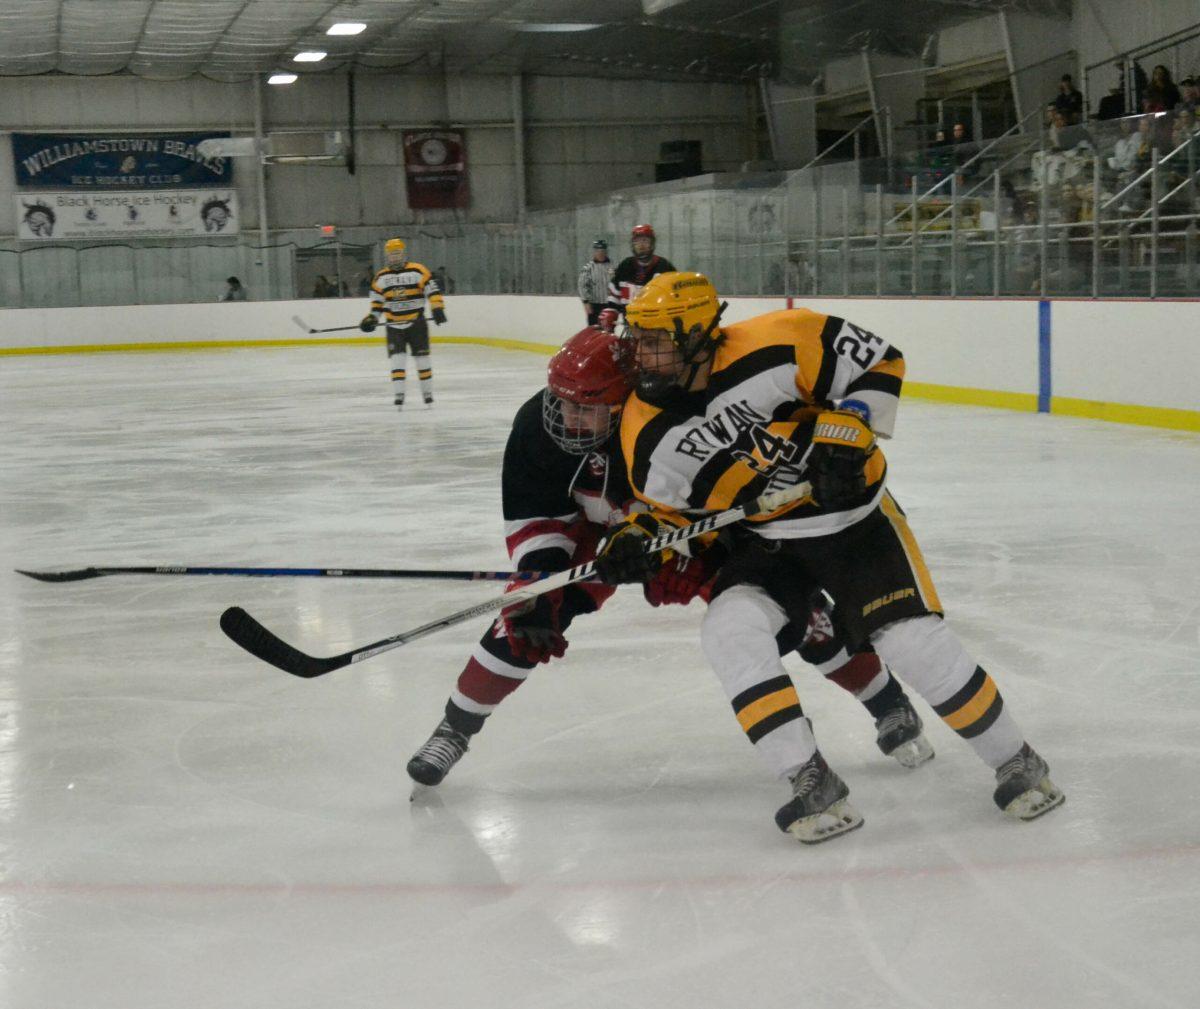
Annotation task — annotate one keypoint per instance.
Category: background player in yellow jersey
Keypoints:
(398, 295)
(722, 414)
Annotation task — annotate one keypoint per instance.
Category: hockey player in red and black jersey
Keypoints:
(633, 273)
(725, 413)
(560, 491)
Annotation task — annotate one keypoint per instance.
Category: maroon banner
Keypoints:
(435, 169)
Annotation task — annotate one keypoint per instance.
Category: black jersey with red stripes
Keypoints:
(631, 275)
(554, 501)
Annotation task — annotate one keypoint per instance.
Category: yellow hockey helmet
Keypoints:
(394, 252)
(686, 307)
(676, 302)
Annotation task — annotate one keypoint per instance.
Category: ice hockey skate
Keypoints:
(899, 736)
(819, 810)
(398, 403)
(441, 751)
(1023, 786)
(429, 399)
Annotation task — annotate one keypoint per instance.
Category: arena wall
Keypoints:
(1133, 362)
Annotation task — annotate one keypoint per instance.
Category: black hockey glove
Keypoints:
(621, 556)
(439, 316)
(842, 444)
(534, 629)
(368, 324)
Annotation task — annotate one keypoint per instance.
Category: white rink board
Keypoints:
(1140, 353)
(1127, 352)
(970, 344)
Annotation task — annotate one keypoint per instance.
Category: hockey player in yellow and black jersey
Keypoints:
(724, 413)
(560, 488)
(399, 293)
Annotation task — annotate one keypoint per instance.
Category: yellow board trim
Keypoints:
(765, 707)
(189, 345)
(1026, 401)
(1127, 413)
(1120, 413)
(975, 708)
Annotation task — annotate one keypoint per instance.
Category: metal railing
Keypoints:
(1067, 218)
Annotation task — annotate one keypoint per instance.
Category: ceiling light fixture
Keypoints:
(311, 56)
(346, 28)
(540, 26)
(281, 79)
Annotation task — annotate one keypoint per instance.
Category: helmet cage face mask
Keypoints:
(395, 252)
(577, 428)
(642, 233)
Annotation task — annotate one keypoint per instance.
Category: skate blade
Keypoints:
(424, 795)
(914, 753)
(840, 818)
(1036, 802)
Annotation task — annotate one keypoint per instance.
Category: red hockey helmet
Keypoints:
(646, 232)
(588, 380)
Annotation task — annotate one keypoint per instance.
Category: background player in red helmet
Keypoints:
(562, 485)
(633, 273)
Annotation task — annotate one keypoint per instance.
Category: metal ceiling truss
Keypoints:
(233, 40)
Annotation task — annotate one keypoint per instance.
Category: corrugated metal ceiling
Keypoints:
(235, 39)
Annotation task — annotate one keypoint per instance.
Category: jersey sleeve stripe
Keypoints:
(878, 381)
(549, 541)
(749, 366)
(646, 442)
(829, 359)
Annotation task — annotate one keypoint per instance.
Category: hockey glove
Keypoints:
(608, 319)
(368, 324)
(439, 316)
(533, 628)
(621, 556)
(841, 445)
(679, 581)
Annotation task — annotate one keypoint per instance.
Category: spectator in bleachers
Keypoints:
(1068, 101)
(233, 290)
(1161, 95)
(1124, 154)
(1189, 95)
(1112, 105)
(1183, 127)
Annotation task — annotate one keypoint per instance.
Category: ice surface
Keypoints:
(184, 826)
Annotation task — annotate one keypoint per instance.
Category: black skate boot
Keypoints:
(818, 810)
(432, 762)
(899, 735)
(398, 402)
(1023, 786)
(429, 399)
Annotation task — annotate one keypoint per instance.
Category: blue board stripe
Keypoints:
(1043, 357)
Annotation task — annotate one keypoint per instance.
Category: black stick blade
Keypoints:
(62, 576)
(243, 630)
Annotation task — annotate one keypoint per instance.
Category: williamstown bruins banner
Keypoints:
(54, 216)
(117, 161)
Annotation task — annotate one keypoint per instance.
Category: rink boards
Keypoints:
(1127, 361)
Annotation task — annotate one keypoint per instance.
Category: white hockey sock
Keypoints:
(738, 637)
(425, 374)
(926, 654)
(398, 373)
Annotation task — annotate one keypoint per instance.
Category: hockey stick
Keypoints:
(332, 329)
(247, 632)
(82, 574)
